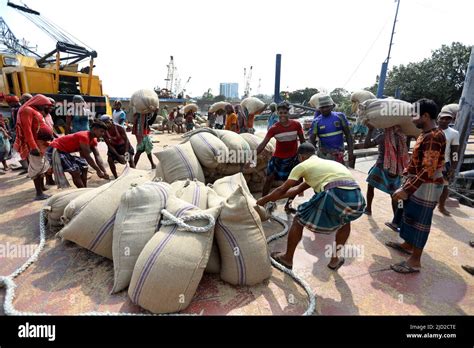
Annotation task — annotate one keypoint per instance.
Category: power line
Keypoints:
(367, 53)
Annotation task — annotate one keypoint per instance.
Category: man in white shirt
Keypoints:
(219, 123)
(119, 115)
(451, 156)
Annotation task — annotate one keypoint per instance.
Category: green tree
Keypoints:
(439, 77)
(301, 96)
(218, 98)
(342, 99)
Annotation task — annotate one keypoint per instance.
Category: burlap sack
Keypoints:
(214, 263)
(253, 105)
(360, 97)
(271, 145)
(144, 101)
(90, 217)
(385, 113)
(191, 191)
(253, 141)
(159, 174)
(242, 243)
(180, 163)
(138, 218)
(56, 204)
(190, 107)
(170, 267)
(209, 149)
(225, 169)
(239, 149)
(226, 186)
(218, 106)
(314, 100)
(453, 109)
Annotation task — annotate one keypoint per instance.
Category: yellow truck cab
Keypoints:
(21, 74)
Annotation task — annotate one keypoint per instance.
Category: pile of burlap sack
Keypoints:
(210, 154)
(162, 237)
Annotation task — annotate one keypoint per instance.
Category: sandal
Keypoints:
(276, 255)
(403, 268)
(468, 269)
(339, 264)
(397, 247)
(392, 227)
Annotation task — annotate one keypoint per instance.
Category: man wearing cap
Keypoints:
(78, 119)
(286, 133)
(337, 201)
(450, 157)
(119, 148)
(330, 128)
(33, 136)
(119, 115)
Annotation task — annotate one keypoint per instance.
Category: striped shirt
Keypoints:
(427, 162)
(286, 138)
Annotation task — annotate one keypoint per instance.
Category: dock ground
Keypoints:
(68, 279)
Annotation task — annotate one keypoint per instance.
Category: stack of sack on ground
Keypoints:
(386, 113)
(162, 258)
(210, 154)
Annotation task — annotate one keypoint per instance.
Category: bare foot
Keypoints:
(153, 166)
(41, 197)
(443, 211)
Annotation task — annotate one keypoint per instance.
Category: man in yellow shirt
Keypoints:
(337, 201)
(231, 121)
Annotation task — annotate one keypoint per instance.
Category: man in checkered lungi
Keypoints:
(422, 187)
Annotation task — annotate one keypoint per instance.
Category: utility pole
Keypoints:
(383, 71)
(465, 115)
(276, 94)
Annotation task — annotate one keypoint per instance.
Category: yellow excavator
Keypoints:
(55, 74)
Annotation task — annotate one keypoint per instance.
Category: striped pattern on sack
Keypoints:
(154, 255)
(185, 160)
(106, 228)
(212, 148)
(239, 259)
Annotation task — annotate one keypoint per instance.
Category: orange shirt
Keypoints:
(231, 120)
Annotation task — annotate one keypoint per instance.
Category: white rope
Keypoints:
(311, 298)
(9, 284)
(170, 219)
